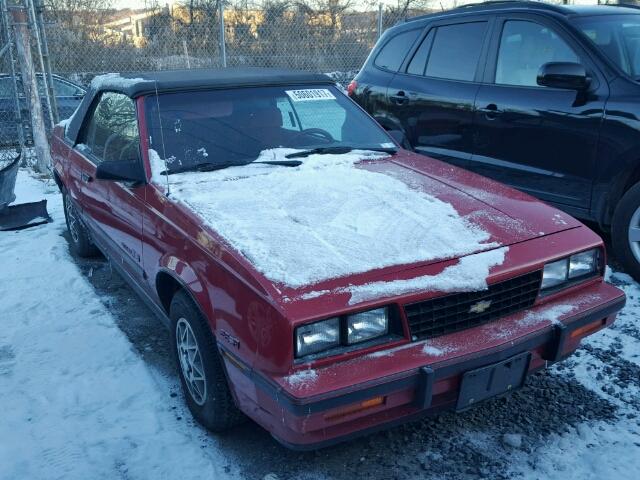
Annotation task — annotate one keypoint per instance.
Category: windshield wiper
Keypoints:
(210, 166)
(338, 149)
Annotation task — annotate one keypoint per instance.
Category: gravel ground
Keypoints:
(529, 434)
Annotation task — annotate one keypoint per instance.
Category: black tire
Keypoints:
(212, 405)
(78, 234)
(620, 226)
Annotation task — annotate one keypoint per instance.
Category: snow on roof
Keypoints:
(113, 80)
(329, 218)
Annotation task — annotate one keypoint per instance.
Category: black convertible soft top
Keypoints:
(145, 83)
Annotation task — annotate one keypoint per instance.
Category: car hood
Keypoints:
(344, 221)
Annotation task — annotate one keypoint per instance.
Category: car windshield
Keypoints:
(617, 36)
(221, 128)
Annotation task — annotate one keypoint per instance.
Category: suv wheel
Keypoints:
(78, 234)
(204, 381)
(625, 231)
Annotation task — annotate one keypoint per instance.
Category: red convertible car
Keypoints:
(316, 277)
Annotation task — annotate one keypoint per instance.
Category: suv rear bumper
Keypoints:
(320, 420)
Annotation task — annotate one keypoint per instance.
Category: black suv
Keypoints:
(542, 97)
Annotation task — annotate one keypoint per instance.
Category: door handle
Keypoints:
(491, 111)
(85, 177)
(400, 98)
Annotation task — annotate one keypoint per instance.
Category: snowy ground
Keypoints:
(87, 391)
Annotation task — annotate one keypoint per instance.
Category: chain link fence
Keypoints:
(83, 38)
(326, 36)
(9, 103)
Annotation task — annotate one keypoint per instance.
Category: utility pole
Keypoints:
(37, 24)
(30, 84)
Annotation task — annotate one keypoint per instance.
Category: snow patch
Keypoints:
(329, 218)
(302, 378)
(114, 80)
(549, 314)
(469, 274)
(77, 401)
(558, 220)
(158, 165)
(314, 294)
(436, 351)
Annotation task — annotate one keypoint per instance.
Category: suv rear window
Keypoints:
(456, 51)
(392, 54)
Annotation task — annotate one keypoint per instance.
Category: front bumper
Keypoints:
(411, 382)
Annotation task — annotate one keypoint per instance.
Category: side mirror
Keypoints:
(122, 171)
(566, 75)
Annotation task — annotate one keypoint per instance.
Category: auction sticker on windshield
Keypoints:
(310, 95)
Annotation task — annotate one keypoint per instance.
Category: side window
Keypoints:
(393, 52)
(419, 60)
(112, 131)
(524, 48)
(456, 51)
(64, 89)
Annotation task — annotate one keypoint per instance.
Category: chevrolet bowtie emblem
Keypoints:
(480, 306)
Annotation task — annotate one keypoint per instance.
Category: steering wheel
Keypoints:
(316, 133)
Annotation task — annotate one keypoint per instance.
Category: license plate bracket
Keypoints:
(495, 379)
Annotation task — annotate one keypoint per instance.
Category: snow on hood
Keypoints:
(469, 274)
(326, 218)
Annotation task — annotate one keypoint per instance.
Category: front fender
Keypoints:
(184, 275)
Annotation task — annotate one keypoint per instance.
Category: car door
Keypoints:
(372, 82)
(434, 92)
(113, 209)
(538, 139)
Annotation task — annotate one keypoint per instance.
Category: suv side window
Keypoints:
(112, 131)
(456, 51)
(419, 60)
(393, 52)
(525, 47)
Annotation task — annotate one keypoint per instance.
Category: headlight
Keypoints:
(318, 336)
(554, 273)
(583, 263)
(367, 325)
(346, 332)
(566, 270)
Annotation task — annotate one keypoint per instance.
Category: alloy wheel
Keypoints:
(191, 362)
(634, 234)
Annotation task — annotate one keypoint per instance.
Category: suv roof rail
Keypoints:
(624, 5)
(505, 3)
(537, 4)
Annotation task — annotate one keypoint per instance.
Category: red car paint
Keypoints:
(253, 320)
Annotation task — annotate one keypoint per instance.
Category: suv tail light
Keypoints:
(351, 88)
